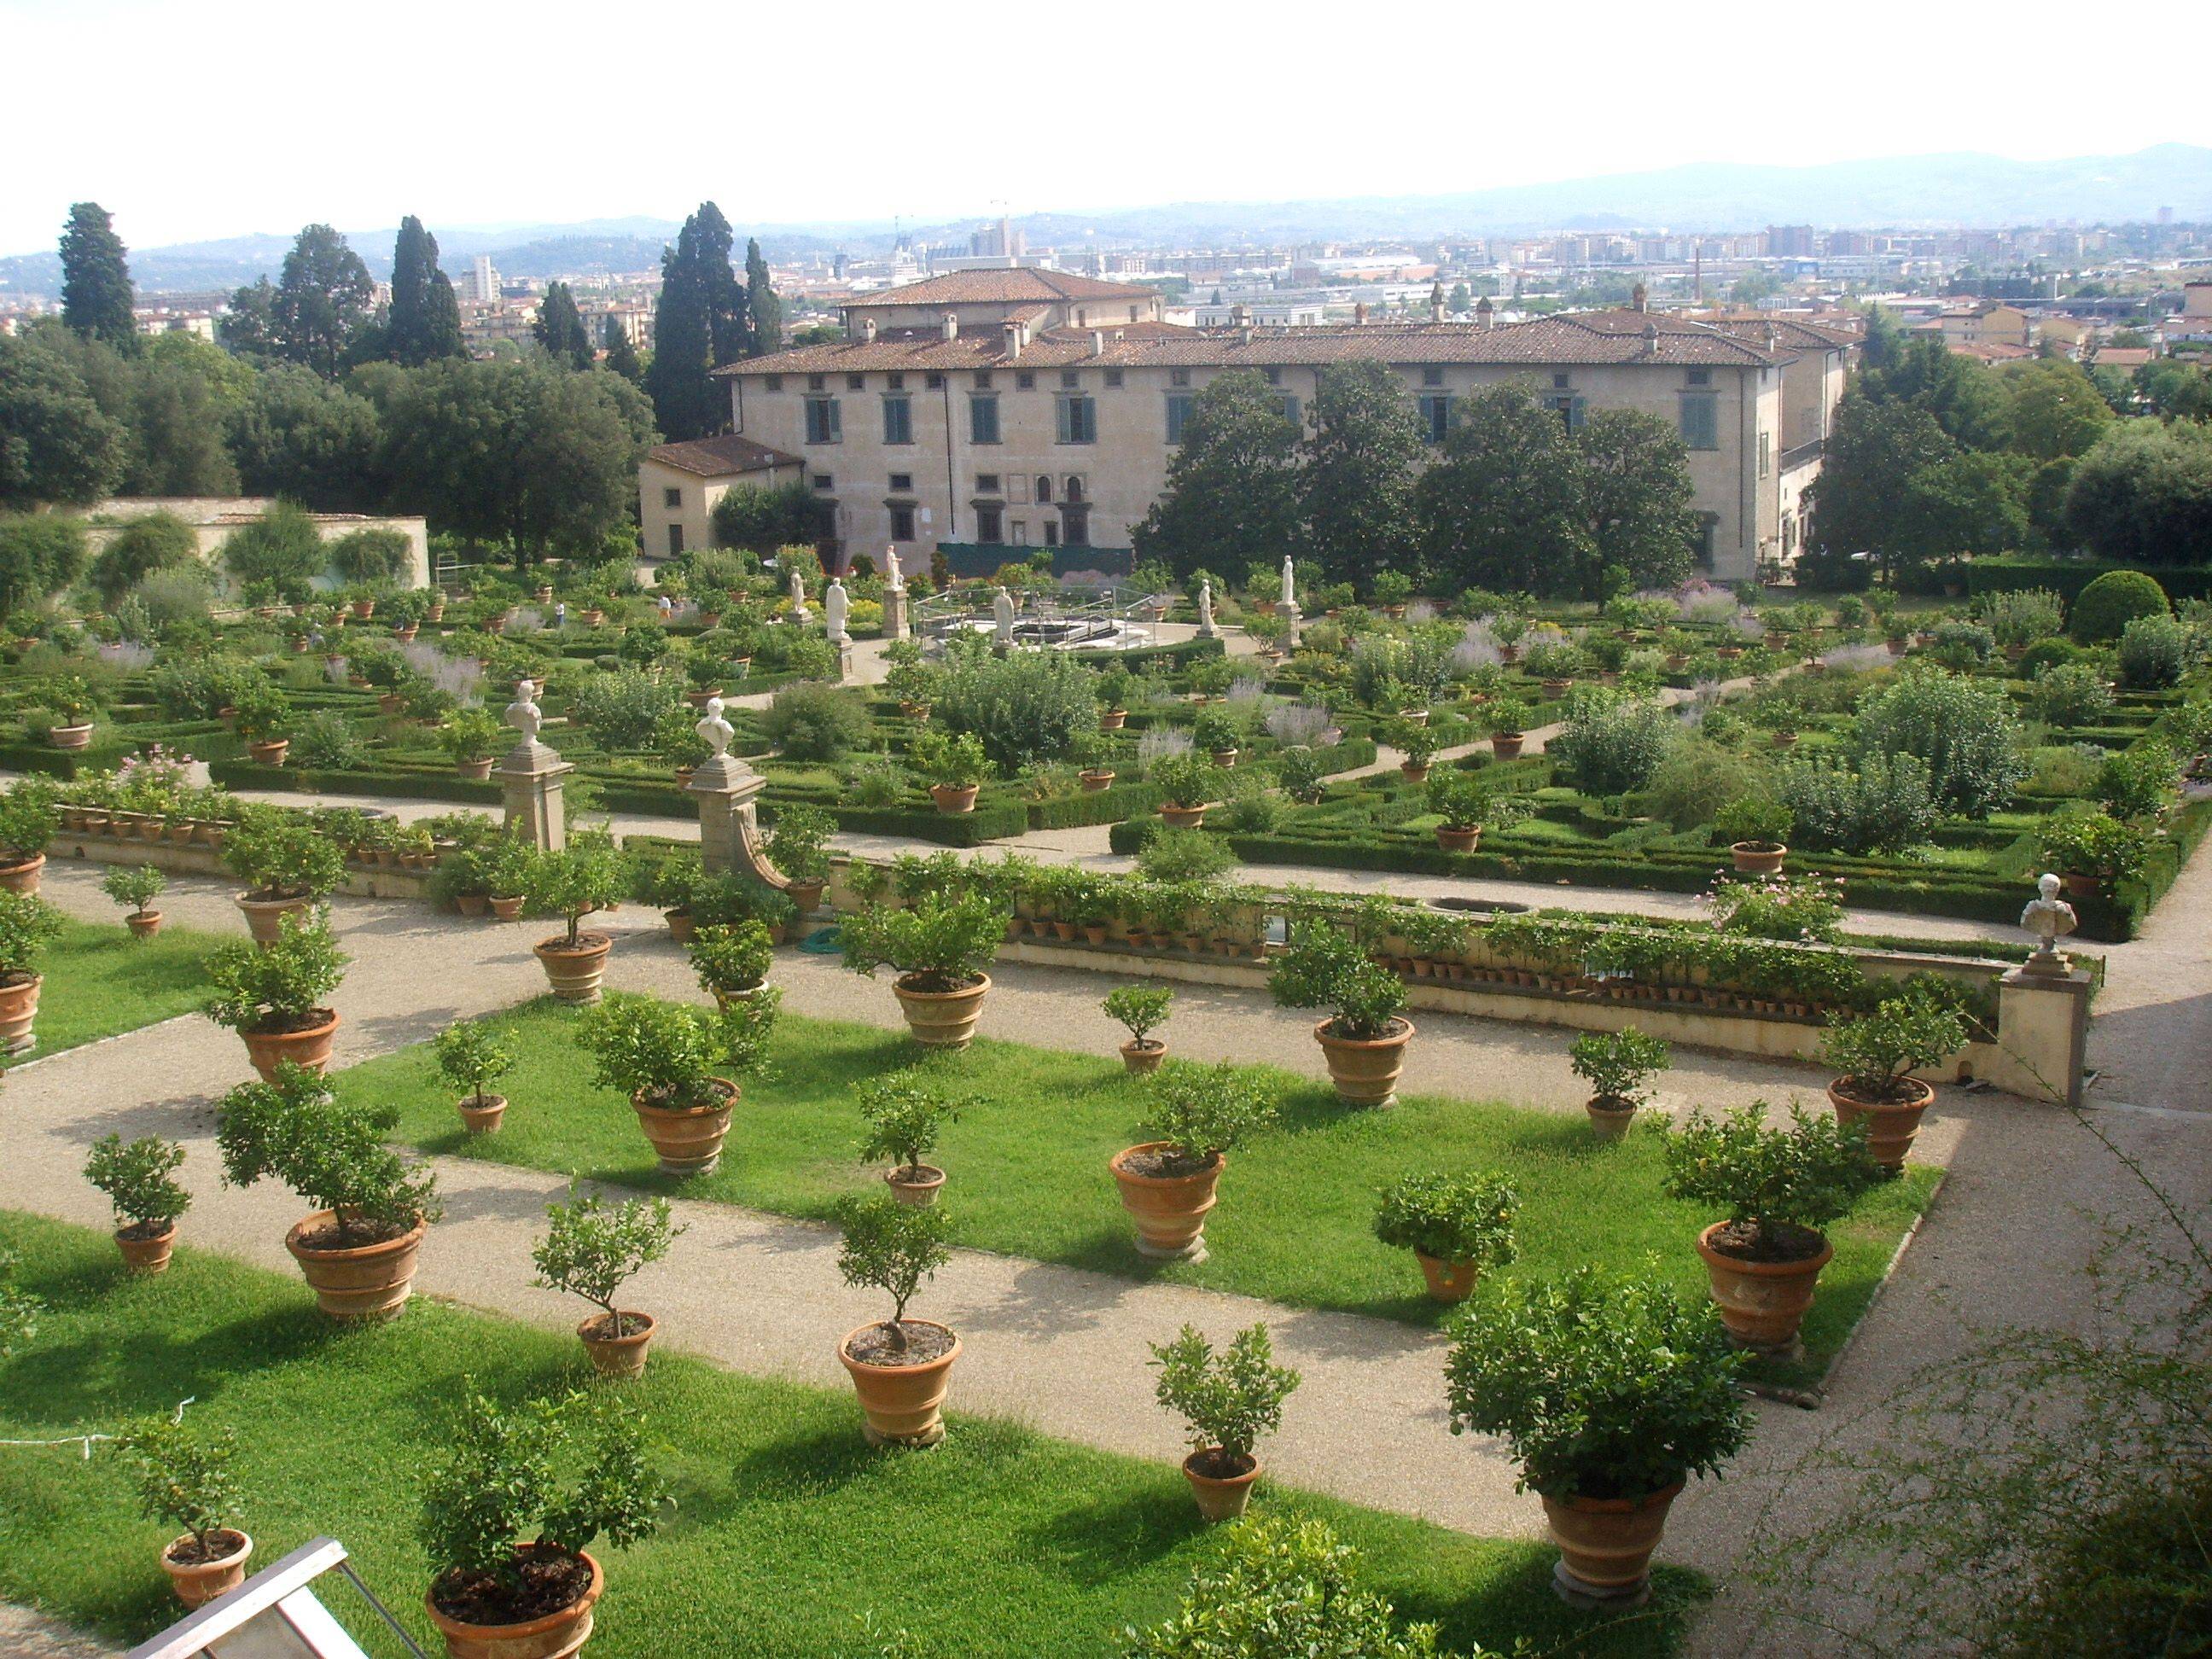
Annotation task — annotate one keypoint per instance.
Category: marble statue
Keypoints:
(798, 610)
(1206, 627)
(1002, 614)
(894, 578)
(1290, 582)
(835, 608)
(523, 714)
(713, 731)
(2050, 918)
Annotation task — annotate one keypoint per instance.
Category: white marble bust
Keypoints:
(713, 731)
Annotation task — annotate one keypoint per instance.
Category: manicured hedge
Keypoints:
(2065, 577)
(1108, 805)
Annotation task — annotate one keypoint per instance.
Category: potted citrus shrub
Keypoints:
(184, 1478)
(27, 822)
(1506, 719)
(471, 1054)
(956, 765)
(899, 1365)
(938, 949)
(77, 706)
(27, 925)
(1776, 1187)
(1874, 1055)
(136, 1177)
(591, 1249)
(1365, 1040)
(1187, 785)
(1756, 828)
(357, 1249)
(1196, 1116)
(1618, 1067)
(1459, 798)
(1142, 1010)
(286, 867)
(471, 738)
(1458, 1227)
(906, 1116)
(1216, 732)
(136, 885)
(505, 872)
(1609, 1394)
(1228, 1399)
(505, 1522)
(581, 878)
(799, 845)
(263, 714)
(663, 1056)
(1418, 742)
(731, 960)
(272, 995)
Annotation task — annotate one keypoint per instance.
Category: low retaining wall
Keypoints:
(197, 861)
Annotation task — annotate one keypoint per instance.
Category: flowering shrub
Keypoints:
(1809, 907)
(1966, 732)
(1883, 807)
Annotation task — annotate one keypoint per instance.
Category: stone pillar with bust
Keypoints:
(1287, 607)
(896, 626)
(530, 777)
(2043, 1010)
(727, 790)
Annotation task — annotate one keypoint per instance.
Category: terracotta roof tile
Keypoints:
(999, 287)
(717, 456)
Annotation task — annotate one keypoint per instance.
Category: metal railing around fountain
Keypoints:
(1104, 619)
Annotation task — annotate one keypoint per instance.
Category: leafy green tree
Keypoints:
(1855, 503)
(1355, 487)
(729, 314)
(96, 294)
(1461, 300)
(621, 355)
(323, 302)
(2175, 391)
(177, 417)
(41, 553)
(154, 541)
(2055, 409)
(55, 444)
(2142, 495)
(1965, 503)
(560, 327)
(282, 546)
(300, 436)
(1507, 507)
(1232, 488)
(1637, 493)
(760, 298)
(1967, 400)
(424, 323)
(248, 326)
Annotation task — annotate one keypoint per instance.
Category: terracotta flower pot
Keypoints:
(23, 878)
(1112, 719)
(264, 918)
(680, 927)
(199, 1582)
(1609, 1119)
(1220, 1497)
(1458, 841)
(1606, 1544)
(268, 751)
(620, 1355)
(1761, 1303)
(1183, 817)
(482, 1112)
(575, 973)
(1758, 858)
(1506, 745)
(143, 924)
(943, 1020)
(1225, 759)
(902, 1404)
(1143, 1057)
(2081, 885)
(472, 904)
(1448, 1281)
(806, 895)
(1096, 782)
(1415, 771)
(918, 1186)
(1365, 1070)
(954, 798)
(19, 1010)
(146, 1253)
(390, 702)
(363, 1281)
(1170, 1210)
(309, 1048)
(1890, 1128)
(70, 737)
(475, 771)
(505, 909)
(688, 1143)
(552, 1636)
(406, 635)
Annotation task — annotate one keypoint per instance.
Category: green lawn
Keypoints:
(1028, 1176)
(101, 980)
(786, 1530)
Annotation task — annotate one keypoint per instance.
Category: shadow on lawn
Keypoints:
(1101, 1542)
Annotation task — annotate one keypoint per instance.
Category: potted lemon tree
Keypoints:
(139, 1178)
(1141, 1009)
(1458, 1227)
(1228, 1400)
(1364, 1039)
(591, 1249)
(664, 1056)
(471, 1055)
(907, 1113)
(288, 867)
(938, 948)
(272, 995)
(1876, 1054)
(27, 925)
(1618, 1066)
(184, 1476)
(586, 875)
(1196, 1117)
(27, 822)
(899, 1366)
(136, 886)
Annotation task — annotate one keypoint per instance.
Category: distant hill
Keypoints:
(1903, 192)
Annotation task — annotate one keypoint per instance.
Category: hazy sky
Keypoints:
(195, 123)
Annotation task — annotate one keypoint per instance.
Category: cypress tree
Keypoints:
(760, 299)
(560, 327)
(683, 396)
(729, 317)
(425, 321)
(96, 278)
(621, 355)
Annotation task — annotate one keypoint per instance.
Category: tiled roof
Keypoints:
(715, 458)
(1789, 333)
(1592, 337)
(999, 287)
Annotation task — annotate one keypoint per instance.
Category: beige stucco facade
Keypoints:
(679, 484)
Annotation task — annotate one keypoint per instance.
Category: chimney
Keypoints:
(1437, 302)
(1018, 335)
(1486, 315)
(1240, 316)
(1098, 343)
(1359, 314)
(868, 330)
(1773, 337)
(1639, 298)
(951, 326)
(1652, 339)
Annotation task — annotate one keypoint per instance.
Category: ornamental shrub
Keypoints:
(893, 1248)
(799, 842)
(154, 542)
(956, 759)
(1873, 1052)
(1184, 855)
(183, 1474)
(1228, 1400)
(2079, 841)
(1611, 742)
(732, 957)
(1187, 779)
(2104, 608)
(2045, 654)
(1143, 1009)
(1965, 731)
(906, 1114)
(1325, 966)
(1618, 1066)
(1456, 1218)
(136, 1179)
(1775, 1187)
(329, 1151)
(2070, 694)
(2022, 615)
(2138, 783)
(2154, 653)
(585, 875)
(1696, 778)
(471, 1054)
(280, 856)
(1884, 807)
(370, 558)
(620, 708)
(282, 986)
(941, 944)
(814, 721)
(591, 1249)
(1025, 706)
(28, 821)
(666, 1054)
(327, 741)
(134, 886)
(1202, 1111)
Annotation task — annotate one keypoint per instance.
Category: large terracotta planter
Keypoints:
(505, 909)
(1365, 1070)
(143, 924)
(575, 974)
(1458, 841)
(917, 1186)
(23, 878)
(475, 771)
(1143, 1057)
(1758, 858)
(623, 1355)
(366, 1281)
(805, 896)
(482, 1112)
(1112, 719)
(264, 918)
(1170, 1210)
(943, 1020)
(1448, 1281)
(1761, 1303)
(1606, 1544)
(688, 1143)
(270, 751)
(1220, 1497)
(1609, 1118)
(1890, 1128)
(19, 1010)
(70, 737)
(1183, 817)
(146, 1253)
(1506, 745)
(680, 927)
(954, 798)
(310, 1049)
(1415, 771)
(198, 1584)
(554, 1636)
(902, 1404)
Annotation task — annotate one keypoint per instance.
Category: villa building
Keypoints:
(1032, 408)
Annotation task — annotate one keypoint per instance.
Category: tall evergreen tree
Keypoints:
(683, 396)
(96, 278)
(425, 321)
(1231, 499)
(560, 327)
(248, 326)
(1506, 507)
(322, 302)
(729, 317)
(621, 355)
(767, 309)
(1356, 491)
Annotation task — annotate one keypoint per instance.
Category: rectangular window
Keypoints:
(933, 381)
(1075, 526)
(1052, 532)
(1432, 377)
(1559, 383)
(1436, 415)
(1274, 376)
(1568, 407)
(855, 382)
(1289, 409)
(982, 379)
(821, 481)
(1765, 452)
(773, 383)
(902, 523)
(1078, 419)
(672, 497)
(1025, 381)
(903, 482)
(1178, 377)
(816, 382)
(824, 425)
(1699, 377)
(895, 382)
(1113, 377)
(1701, 420)
(987, 484)
(1180, 403)
(1070, 379)
(990, 522)
(898, 420)
(982, 417)
(675, 539)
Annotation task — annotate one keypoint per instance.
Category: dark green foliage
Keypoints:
(1507, 505)
(1356, 483)
(2109, 604)
(762, 521)
(323, 302)
(621, 355)
(1966, 730)
(1885, 805)
(40, 554)
(2143, 494)
(1611, 742)
(300, 437)
(816, 722)
(1775, 1184)
(282, 546)
(424, 322)
(97, 292)
(57, 444)
(1027, 707)
(154, 541)
(1232, 485)
(560, 328)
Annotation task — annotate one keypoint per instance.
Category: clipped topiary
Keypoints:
(2109, 604)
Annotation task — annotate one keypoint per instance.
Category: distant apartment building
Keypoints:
(479, 283)
(1039, 409)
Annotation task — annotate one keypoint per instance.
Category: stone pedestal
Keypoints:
(896, 626)
(843, 647)
(531, 779)
(729, 822)
(1291, 618)
(2043, 1035)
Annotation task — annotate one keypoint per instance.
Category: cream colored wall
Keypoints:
(200, 513)
(697, 511)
